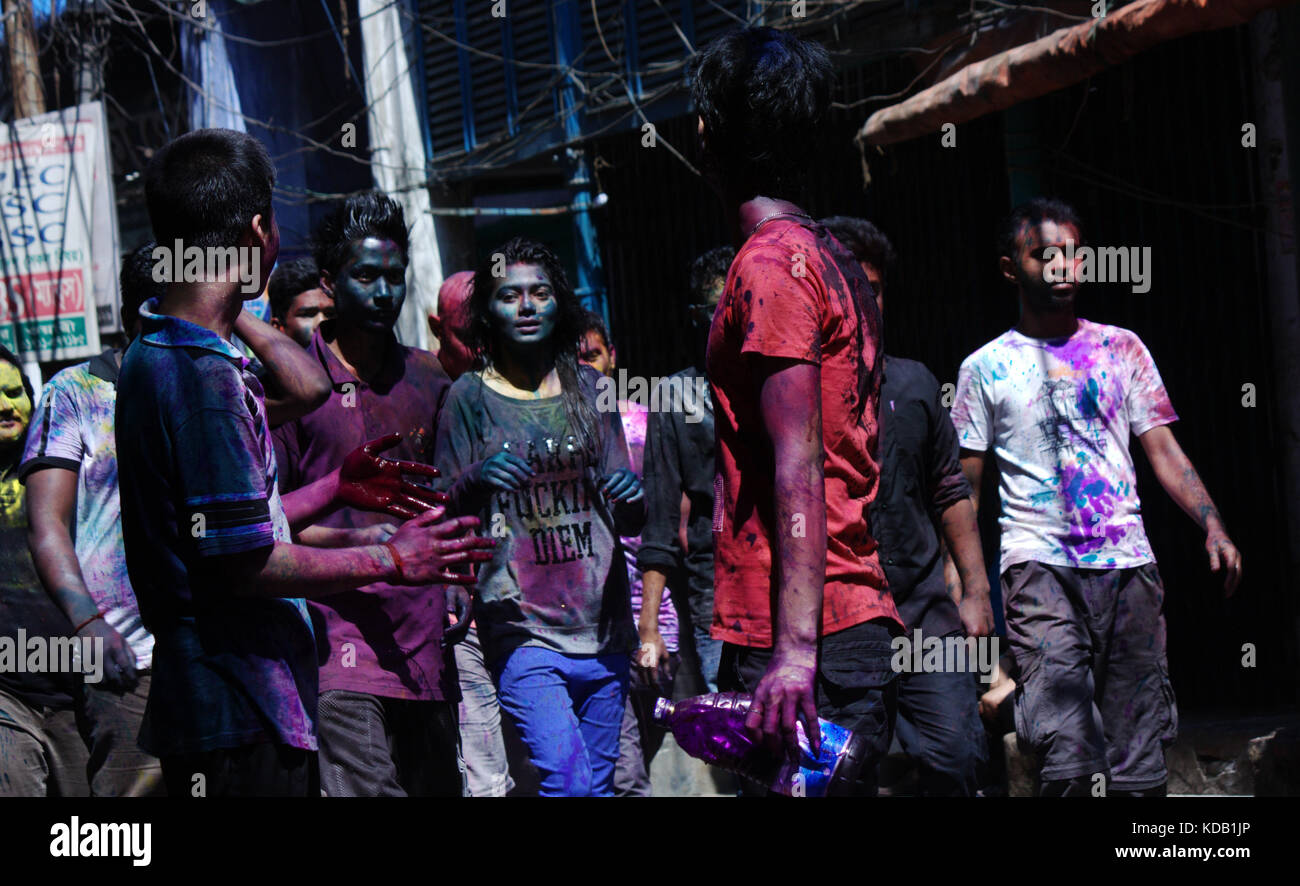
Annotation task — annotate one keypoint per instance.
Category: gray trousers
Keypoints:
(487, 769)
(372, 746)
(1093, 696)
(89, 749)
(41, 751)
(109, 721)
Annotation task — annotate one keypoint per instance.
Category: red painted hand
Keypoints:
(370, 482)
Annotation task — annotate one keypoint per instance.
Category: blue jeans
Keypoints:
(569, 710)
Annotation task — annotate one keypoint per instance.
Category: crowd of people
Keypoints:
(350, 567)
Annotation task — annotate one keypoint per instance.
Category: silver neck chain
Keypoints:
(767, 218)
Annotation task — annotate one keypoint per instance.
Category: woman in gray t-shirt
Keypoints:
(529, 444)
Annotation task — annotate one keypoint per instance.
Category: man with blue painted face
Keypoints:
(387, 688)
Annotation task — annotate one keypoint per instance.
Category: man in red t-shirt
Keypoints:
(794, 360)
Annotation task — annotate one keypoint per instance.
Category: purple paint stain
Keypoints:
(1089, 503)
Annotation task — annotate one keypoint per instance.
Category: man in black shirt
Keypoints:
(921, 485)
(678, 470)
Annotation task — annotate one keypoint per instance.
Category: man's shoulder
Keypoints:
(910, 372)
(1110, 336)
(682, 378)
(424, 362)
(76, 382)
(423, 370)
(989, 352)
(180, 379)
(772, 249)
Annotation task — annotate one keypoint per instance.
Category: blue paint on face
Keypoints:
(371, 286)
(524, 308)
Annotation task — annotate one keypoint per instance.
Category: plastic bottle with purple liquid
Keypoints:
(712, 728)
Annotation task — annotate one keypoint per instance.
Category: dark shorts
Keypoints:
(856, 685)
(1093, 692)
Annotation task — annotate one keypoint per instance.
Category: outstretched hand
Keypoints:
(370, 482)
(427, 548)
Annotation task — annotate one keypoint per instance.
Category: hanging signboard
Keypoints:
(58, 235)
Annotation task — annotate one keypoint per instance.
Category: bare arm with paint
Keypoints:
(790, 404)
(426, 547)
(963, 557)
(962, 537)
(654, 651)
(299, 383)
(51, 516)
(1176, 474)
(972, 465)
(329, 537)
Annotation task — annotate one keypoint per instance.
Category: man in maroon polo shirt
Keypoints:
(387, 699)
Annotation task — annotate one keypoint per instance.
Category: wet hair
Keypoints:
(762, 94)
(863, 240)
(708, 268)
(204, 187)
(137, 283)
(593, 322)
(1033, 214)
(9, 357)
(570, 326)
(288, 281)
(368, 214)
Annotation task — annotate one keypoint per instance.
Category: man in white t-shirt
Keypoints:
(1055, 400)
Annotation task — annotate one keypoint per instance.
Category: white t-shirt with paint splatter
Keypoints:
(1057, 414)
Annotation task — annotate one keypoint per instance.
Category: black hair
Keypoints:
(137, 283)
(368, 214)
(21, 445)
(1033, 214)
(706, 270)
(864, 241)
(593, 322)
(762, 94)
(570, 327)
(204, 187)
(288, 281)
